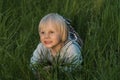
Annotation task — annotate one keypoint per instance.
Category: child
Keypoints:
(58, 39)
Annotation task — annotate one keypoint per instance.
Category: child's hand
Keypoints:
(47, 68)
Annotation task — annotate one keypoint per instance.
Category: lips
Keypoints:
(47, 42)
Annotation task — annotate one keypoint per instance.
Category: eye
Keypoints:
(51, 32)
(42, 32)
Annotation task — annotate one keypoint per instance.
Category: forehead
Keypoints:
(49, 25)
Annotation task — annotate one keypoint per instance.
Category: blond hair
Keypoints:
(59, 22)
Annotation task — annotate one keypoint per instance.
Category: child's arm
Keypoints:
(74, 54)
(36, 59)
(39, 54)
(73, 57)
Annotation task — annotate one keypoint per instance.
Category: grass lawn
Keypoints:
(96, 21)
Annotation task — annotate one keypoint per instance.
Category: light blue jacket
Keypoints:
(70, 52)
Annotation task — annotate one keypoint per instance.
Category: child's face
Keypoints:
(50, 36)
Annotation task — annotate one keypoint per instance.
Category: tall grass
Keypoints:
(96, 21)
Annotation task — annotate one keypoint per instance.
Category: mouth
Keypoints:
(47, 42)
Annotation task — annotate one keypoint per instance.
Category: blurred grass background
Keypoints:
(96, 21)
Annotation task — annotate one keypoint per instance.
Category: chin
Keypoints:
(48, 46)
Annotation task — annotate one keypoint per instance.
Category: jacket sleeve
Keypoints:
(40, 54)
(74, 54)
(36, 55)
(73, 57)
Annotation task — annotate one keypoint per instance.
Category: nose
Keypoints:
(47, 35)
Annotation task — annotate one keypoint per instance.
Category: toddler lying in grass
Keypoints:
(59, 44)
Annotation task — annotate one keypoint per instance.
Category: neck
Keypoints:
(56, 49)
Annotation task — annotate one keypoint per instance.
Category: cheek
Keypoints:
(41, 38)
(58, 37)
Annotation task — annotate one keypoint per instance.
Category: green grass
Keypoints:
(96, 21)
